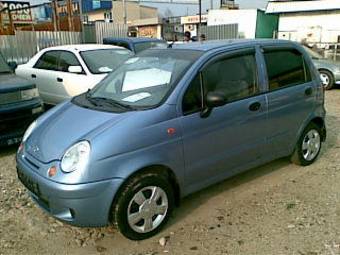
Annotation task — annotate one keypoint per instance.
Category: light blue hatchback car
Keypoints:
(169, 122)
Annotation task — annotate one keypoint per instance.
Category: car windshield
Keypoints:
(147, 45)
(4, 68)
(145, 80)
(104, 60)
(313, 54)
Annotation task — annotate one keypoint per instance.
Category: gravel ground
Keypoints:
(278, 208)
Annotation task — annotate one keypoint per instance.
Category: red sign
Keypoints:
(20, 11)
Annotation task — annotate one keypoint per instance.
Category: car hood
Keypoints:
(10, 83)
(60, 128)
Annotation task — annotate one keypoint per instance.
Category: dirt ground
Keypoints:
(276, 209)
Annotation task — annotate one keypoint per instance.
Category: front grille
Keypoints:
(10, 97)
(14, 122)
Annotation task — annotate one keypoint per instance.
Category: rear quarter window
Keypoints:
(285, 67)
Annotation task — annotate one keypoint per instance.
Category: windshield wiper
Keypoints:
(95, 100)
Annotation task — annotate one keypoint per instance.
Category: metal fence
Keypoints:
(220, 32)
(24, 44)
(110, 30)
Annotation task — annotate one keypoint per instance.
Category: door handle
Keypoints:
(33, 76)
(308, 91)
(255, 106)
(59, 79)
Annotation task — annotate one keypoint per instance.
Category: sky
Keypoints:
(180, 10)
(252, 3)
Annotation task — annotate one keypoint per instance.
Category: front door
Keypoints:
(233, 136)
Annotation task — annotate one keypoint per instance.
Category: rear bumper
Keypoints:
(337, 77)
(84, 205)
(15, 118)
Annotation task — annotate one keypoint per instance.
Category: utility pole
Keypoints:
(55, 15)
(1, 26)
(124, 12)
(200, 18)
(81, 20)
(11, 21)
(69, 15)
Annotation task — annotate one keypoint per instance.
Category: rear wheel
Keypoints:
(308, 146)
(143, 206)
(327, 79)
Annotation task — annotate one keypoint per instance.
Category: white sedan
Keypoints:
(66, 71)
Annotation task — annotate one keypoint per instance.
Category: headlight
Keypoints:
(29, 94)
(76, 157)
(29, 131)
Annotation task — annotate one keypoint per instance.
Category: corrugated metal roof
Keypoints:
(302, 6)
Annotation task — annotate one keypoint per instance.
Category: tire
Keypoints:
(327, 79)
(312, 133)
(140, 189)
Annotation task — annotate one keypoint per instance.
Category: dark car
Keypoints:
(136, 44)
(20, 104)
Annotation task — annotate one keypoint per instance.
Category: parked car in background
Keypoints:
(329, 70)
(20, 104)
(66, 71)
(136, 44)
(170, 122)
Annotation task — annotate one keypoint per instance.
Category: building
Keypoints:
(191, 23)
(252, 23)
(314, 21)
(149, 27)
(113, 11)
(134, 11)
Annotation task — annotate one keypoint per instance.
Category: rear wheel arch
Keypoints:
(321, 124)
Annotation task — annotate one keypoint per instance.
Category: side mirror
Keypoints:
(13, 65)
(75, 69)
(214, 99)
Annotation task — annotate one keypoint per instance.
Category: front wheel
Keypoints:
(308, 146)
(143, 206)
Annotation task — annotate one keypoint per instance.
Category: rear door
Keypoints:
(291, 96)
(44, 75)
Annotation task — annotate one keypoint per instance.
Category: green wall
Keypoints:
(266, 24)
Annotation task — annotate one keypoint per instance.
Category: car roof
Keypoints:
(211, 45)
(131, 39)
(83, 47)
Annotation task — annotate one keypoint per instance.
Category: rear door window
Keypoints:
(285, 67)
(48, 61)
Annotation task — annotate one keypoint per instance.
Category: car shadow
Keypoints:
(193, 201)
(8, 150)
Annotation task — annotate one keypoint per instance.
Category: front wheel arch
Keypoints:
(159, 169)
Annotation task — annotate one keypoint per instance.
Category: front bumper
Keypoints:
(15, 118)
(84, 205)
